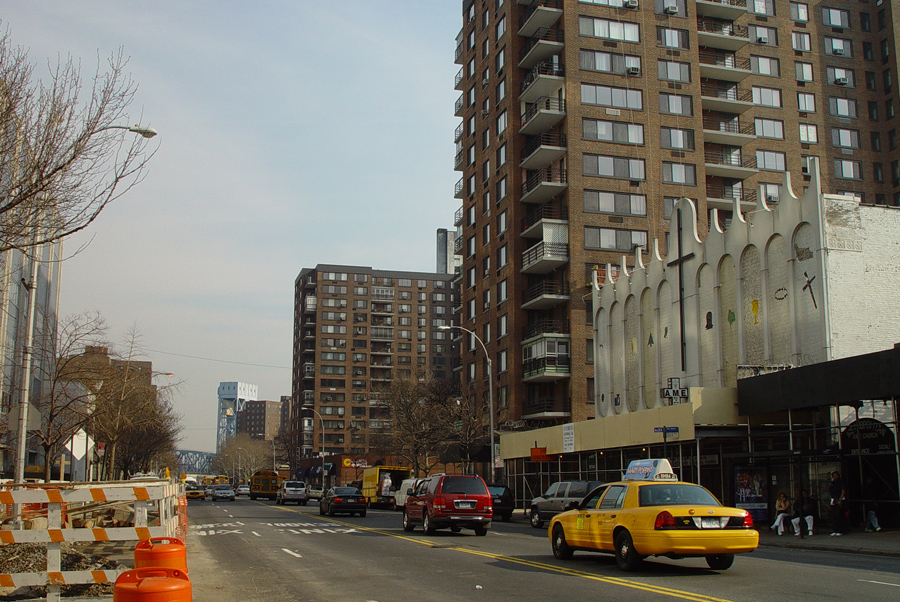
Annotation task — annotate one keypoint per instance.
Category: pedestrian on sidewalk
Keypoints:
(838, 494)
(803, 509)
(782, 507)
(871, 495)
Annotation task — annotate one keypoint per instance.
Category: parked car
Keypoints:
(504, 501)
(292, 491)
(554, 500)
(195, 492)
(453, 501)
(315, 492)
(223, 492)
(347, 500)
(242, 490)
(403, 492)
(652, 513)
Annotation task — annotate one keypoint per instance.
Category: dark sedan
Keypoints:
(345, 500)
(503, 501)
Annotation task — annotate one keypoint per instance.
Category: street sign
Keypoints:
(665, 429)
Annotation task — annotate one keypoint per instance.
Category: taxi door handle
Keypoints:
(612, 515)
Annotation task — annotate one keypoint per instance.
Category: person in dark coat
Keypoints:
(838, 493)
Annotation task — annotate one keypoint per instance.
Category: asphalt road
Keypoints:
(258, 551)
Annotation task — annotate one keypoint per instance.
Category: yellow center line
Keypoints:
(672, 593)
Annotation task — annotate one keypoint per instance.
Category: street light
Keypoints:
(490, 390)
(322, 443)
(146, 132)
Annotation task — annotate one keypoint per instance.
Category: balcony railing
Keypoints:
(723, 59)
(732, 127)
(544, 139)
(548, 175)
(537, 5)
(714, 90)
(546, 326)
(544, 212)
(727, 192)
(544, 250)
(457, 135)
(545, 287)
(458, 160)
(547, 405)
(458, 105)
(545, 103)
(729, 2)
(458, 216)
(717, 158)
(459, 76)
(545, 68)
(457, 190)
(725, 28)
(544, 34)
(553, 363)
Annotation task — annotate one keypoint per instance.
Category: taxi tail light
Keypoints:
(748, 521)
(439, 503)
(665, 520)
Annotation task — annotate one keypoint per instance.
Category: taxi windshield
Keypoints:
(674, 494)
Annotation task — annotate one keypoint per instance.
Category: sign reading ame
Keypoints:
(675, 392)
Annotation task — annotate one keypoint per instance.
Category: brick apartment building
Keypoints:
(355, 329)
(584, 120)
(260, 419)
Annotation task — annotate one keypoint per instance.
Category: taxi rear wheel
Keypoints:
(626, 556)
(536, 521)
(720, 562)
(560, 548)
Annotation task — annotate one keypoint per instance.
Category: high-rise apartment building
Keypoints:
(584, 120)
(355, 330)
(260, 419)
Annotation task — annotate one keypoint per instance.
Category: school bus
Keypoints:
(218, 480)
(264, 483)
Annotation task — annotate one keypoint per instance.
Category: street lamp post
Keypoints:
(490, 392)
(321, 443)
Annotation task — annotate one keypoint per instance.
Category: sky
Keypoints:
(291, 133)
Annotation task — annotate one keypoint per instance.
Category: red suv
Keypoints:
(453, 501)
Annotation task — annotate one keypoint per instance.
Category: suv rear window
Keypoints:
(294, 485)
(463, 485)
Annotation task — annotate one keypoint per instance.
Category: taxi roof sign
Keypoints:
(650, 470)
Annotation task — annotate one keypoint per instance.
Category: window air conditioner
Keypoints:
(771, 198)
(671, 10)
(630, 3)
(633, 71)
(762, 40)
(328, 398)
(837, 51)
(485, 113)
(485, 82)
(840, 81)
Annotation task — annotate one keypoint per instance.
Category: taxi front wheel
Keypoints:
(720, 562)
(560, 548)
(626, 556)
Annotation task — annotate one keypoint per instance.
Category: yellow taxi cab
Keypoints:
(652, 513)
(195, 492)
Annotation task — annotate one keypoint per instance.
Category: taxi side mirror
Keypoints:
(572, 505)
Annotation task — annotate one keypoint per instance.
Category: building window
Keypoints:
(501, 189)
(842, 107)
(765, 36)
(766, 97)
(613, 167)
(501, 90)
(878, 172)
(502, 257)
(672, 38)
(608, 62)
(865, 22)
(799, 11)
(613, 239)
(764, 65)
(679, 173)
(873, 110)
(803, 71)
(597, 201)
(501, 27)
(612, 131)
(761, 7)
(801, 41)
(501, 156)
(502, 290)
(838, 47)
(622, 31)
(770, 160)
(840, 77)
(680, 139)
(836, 17)
(770, 193)
(806, 102)
(502, 120)
(608, 96)
(769, 128)
(674, 71)
(809, 134)
(502, 222)
(675, 104)
(502, 325)
(501, 59)
(847, 170)
(875, 139)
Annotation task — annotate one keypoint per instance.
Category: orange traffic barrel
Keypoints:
(167, 552)
(153, 584)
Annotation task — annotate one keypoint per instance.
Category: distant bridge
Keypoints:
(194, 462)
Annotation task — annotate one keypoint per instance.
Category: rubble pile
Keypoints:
(31, 558)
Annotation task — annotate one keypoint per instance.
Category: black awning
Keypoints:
(838, 382)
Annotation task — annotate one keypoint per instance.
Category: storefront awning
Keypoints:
(838, 382)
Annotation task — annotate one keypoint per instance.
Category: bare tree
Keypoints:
(149, 444)
(63, 153)
(245, 455)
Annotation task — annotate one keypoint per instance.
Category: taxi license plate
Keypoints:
(465, 505)
(710, 523)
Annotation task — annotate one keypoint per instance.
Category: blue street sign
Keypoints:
(667, 429)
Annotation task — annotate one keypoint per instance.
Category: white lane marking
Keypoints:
(255, 533)
(294, 554)
(879, 582)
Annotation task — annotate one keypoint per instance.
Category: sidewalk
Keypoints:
(883, 543)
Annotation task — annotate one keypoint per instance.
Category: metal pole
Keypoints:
(25, 382)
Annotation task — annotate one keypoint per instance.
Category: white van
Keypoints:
(401, 494)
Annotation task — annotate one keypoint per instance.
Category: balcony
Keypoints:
(717, 96)
(310, 304)
(309, 334)
(546, 369)
(457, 135)
(729, 133)
(309, 370)
(541, 46)
(459, 81)
(547, 407)
(458, 190)
(714, 33)
(458, 160)
(544, 327)
(727, 165)
(544, 79)
(541, 115)
(380, 374)
(542, 185)
(458, 107)
(309, 397)
(381, 349)
(723, 197)
(545, 257)
(723, 66)
(458, 246)
(382, 332)
(382, 308)
(545, 294)
(542, 150)
(458, 217)
(532, 224)
(721, 9)
(309, 281)
(540, 16)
